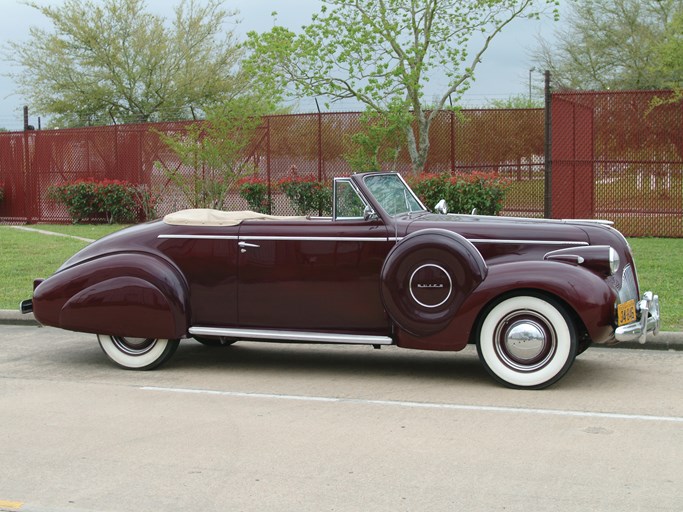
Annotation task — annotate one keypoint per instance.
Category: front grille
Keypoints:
(629, 289)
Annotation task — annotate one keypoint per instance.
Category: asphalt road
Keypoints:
(265, 427)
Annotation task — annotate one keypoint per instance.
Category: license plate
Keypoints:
(626, 312)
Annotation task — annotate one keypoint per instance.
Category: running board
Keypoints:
(313, 337)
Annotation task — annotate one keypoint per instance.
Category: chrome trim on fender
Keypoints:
(26, 306)
(508, 242)
(317, 337)
(528, 242)
(648, 307)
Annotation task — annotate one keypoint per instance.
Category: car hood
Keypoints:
(476, 227)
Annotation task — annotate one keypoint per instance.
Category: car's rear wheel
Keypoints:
(527, 341)
(137, 353)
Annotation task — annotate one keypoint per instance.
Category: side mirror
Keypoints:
(441, 207)
(369, 213)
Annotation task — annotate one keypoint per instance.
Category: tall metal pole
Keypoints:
(548, 182)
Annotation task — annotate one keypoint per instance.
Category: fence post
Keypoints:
(452, 141)
(30, 179)
(548, 181)
(268, 176)
(320, 142)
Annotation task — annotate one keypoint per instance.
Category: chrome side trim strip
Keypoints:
(318, 238)
(200, 237)
(317, 337)
(363, 239)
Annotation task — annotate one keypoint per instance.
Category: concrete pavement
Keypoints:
(280, 427)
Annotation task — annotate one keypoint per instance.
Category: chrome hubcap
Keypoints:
(525, 341)
(134, 346)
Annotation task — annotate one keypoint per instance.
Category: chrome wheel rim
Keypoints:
(525, 341)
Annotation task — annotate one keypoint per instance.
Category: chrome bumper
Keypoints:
(648, 307)
(26, 306)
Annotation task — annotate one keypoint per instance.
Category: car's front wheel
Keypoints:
(527, 341)
(137, 353)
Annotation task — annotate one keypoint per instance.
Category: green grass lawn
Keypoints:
(25, 256)
(659, 262)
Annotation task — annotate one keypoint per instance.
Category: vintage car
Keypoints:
(531, 294)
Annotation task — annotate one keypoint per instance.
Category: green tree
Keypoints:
(381, 52)
(614, 44)
(113, 61)
(379, 140)
(670, 53)
(212, 155)
(518, 101)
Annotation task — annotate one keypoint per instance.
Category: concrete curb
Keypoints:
(663, 341)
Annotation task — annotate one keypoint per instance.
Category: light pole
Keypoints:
(531, 70)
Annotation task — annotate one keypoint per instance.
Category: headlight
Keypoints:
(602, 259)
(614, 261)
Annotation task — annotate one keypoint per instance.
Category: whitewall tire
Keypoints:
(137, 353)
(527, 341)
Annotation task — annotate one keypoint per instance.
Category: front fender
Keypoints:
(585, 293)
(125, 294)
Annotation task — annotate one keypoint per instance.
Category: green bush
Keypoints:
(462, 192)
(112, 201)
(255, 191)
(307, 195)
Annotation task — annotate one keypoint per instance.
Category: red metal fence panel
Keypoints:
(618, 156)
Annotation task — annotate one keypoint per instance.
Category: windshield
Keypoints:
(393, 195)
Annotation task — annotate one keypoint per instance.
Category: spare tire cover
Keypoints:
(427, 276)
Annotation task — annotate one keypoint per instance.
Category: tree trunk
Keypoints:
(419, 149)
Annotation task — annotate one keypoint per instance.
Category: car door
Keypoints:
(208, 258)
(315, 275)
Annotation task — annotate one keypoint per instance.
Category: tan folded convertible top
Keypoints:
(209, 217)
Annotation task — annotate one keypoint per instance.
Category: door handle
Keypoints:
(244, 245)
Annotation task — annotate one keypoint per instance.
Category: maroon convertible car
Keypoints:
(531, 294)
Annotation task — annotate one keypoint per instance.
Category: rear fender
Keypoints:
(131, 294)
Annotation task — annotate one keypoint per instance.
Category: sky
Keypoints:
(504, 72)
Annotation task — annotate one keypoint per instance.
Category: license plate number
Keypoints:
(626, 312)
